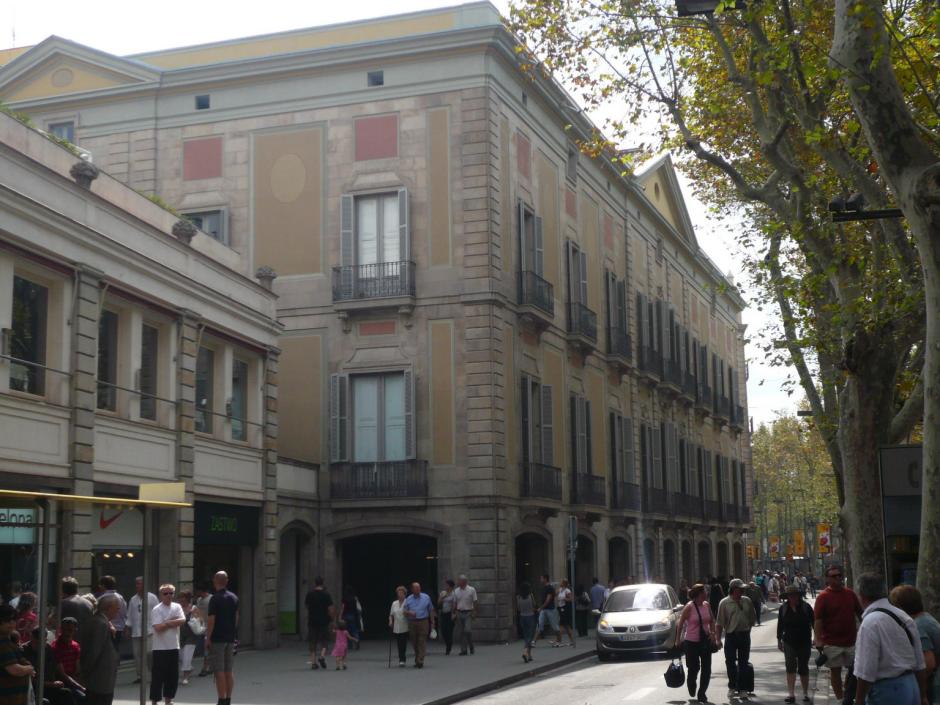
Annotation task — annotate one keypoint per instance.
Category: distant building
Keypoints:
(484, 331)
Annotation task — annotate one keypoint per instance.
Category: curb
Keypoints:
(510, 680)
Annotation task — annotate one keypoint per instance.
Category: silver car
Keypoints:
(637, 618)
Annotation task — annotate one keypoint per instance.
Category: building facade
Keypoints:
(488, 338)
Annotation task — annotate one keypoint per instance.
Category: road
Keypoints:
(640, 680)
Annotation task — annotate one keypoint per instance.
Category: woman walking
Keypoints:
(399, 623)
(525, 604)
(698, 641)
(565, 602)
(909, 599)
(188, 637)
(351, 614)
(795, 640)
(445, 606)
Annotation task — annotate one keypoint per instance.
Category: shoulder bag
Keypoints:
(701, 630)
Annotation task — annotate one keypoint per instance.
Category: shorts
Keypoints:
(797, 658)
(839, 656)
(548, 618)
(318, 636)
(221, 657)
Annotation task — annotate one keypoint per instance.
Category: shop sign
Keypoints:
(16, 526)
(117, 527)
(226, 524)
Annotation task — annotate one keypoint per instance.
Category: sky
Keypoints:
(118, 27)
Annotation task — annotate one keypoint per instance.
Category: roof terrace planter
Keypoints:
(589, 489)
(582, 327)
(380, 480)
(370, 286)
(627, 495)
(539, 481)
(619, 349)
(536, 300)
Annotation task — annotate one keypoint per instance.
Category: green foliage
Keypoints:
(154, 198)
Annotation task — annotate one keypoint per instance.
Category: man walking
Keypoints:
(421, 616)
(836, 611)
(221, 628)
(134, 624)
(889, 662)
(598, 593)
(320, 612)
(795, 640)
(735, 619)
(548, 615)
(78, 608)
(167, 618)
(108, 586)
(465, 604)
(753, 592)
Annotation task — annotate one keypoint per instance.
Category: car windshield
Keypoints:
(643, 598)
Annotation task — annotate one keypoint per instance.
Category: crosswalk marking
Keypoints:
(639, 694)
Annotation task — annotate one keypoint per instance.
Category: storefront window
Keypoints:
(19, 561)
(205, 368)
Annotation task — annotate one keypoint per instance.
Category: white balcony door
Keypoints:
(379, 423)
(378, 233)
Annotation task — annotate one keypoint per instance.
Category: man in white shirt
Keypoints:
(465, 606)
(889, 663)
(134, 622)
(166, 618)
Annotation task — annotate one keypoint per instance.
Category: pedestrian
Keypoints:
(351, 613)
(398, 621)
(341, 638)
(445, 608)
(134, 626)
(753, 592)
(99, 659)
(548, 615)
(598, 595)
(582, 607)
(56, 690)
(221, 628)
(15, 671)
(465, 606)
(735, 619)
(167, 618)
(564, 602)
(889, 662)
(320, 614)
(813, 583)
(26, 617)
(795, 639)
(203, 595)
(68, 652)
(525, 605)
(16, 589)
(107, 585)
(715, 594)
(421, 619)
(188, 636)
(837, 611)
(683, 591)
(909, 599)
(74, 606)
(698, 642)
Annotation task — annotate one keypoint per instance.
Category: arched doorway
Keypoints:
(532, 553)
(687, 571)
(671, 563)
(724, 569)
(704, 560)
(375, 564)
(739, 569)
(293, 560)
(618, 558)
(585, 565)
(649, 560)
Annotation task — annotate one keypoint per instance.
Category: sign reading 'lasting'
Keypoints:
(226, 524)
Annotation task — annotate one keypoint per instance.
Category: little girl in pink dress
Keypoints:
(341, 644)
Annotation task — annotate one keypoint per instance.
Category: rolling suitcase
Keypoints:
(746, 678)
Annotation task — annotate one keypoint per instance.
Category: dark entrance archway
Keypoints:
(671, 563)
(704, 560)
(531, 559)
(724, 568)
(687, 572)
(585, 566)
(376, 564)
(649, 560)
(618, 558)
(292, 575)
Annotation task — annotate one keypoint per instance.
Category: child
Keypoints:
(341, 644)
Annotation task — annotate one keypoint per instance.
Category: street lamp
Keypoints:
(685, 8)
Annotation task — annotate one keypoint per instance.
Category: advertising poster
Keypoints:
(799, 542)
(774, 547)
(824, 534)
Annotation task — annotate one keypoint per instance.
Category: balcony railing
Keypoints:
(589, 489)
(729, 512)
(374, 281)
(619, 343)
(540, 481)
(582, 321)
(626, 496)
(737, 417)
(380, 480)
(744, 515)
(672, 375)
(688, 385)
(712, 510)
(535, 291)
(704, 398)
(688, 506)
(659, 501)
(650, 361)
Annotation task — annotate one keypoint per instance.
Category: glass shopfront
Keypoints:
(19, 552)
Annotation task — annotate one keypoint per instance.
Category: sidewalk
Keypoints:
(283, 677)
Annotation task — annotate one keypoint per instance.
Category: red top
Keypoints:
(837, 610)
(67, 653)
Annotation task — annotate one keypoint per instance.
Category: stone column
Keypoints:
(266, 617)
(186, 355)
(696, 568)
(76, 536)
(660, 558)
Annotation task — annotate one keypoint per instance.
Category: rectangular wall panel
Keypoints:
(548, 210)
(439, 185)
(442, 412)
(555, 376)
(511, 419)
(300, 396)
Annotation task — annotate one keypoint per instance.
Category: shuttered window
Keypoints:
(580, 416)
(531, 244)
(372, 417)
(374, 229)
(621, 448)
(537, 422)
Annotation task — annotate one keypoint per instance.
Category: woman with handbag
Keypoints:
(699, 641)
(190, 632)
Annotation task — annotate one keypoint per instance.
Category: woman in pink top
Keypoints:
(699, 639)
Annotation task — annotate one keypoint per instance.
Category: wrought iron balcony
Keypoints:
(688, 505)
(589, 489)
(672, 375)
(535, 291)
(619, 344)
(689, 387)
(744, 515)
(729, 512)
(723, 407)
(582, 321)
(737, 417)
(703, 401)
(626, 496)
(660, 501)
(540, 481)
(382, 280)
(712, 510)
(651, 362)
(379, 480)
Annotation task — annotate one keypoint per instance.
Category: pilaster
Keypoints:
(187, 351)
(266, 616)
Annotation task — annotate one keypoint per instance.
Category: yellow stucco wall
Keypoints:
(7, 55)
(439, 186)
(301, 400)
(62, 76)
(442, 411)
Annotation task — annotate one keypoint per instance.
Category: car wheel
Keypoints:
(603, 656)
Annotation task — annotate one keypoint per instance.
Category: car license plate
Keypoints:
(630, 637)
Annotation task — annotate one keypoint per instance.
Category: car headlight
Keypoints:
(662, 624)
(604, 626)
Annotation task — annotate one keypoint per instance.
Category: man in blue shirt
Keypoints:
(421, 618)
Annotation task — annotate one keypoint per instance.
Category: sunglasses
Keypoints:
(167, 592)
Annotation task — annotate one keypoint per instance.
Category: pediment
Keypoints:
(661, 185)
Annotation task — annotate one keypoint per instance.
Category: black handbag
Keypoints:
(675, 674)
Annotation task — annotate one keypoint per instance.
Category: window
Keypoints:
(205, 370)
(659, 246)
(571, 164)
(537, 426)
(212, 223)
(28, 336)
(378, 417)
(378, 238)
(671, 457)
(149, 346)
(616, 313)
(724, 475)
(107, 360)
(375, 78)
(621, 448)
(580, 409)
(202, 102)
(530, 241)
(63, 130)
(239, 405)
(709, 475)
(577, 275)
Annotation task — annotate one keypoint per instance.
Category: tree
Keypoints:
(769, 132)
